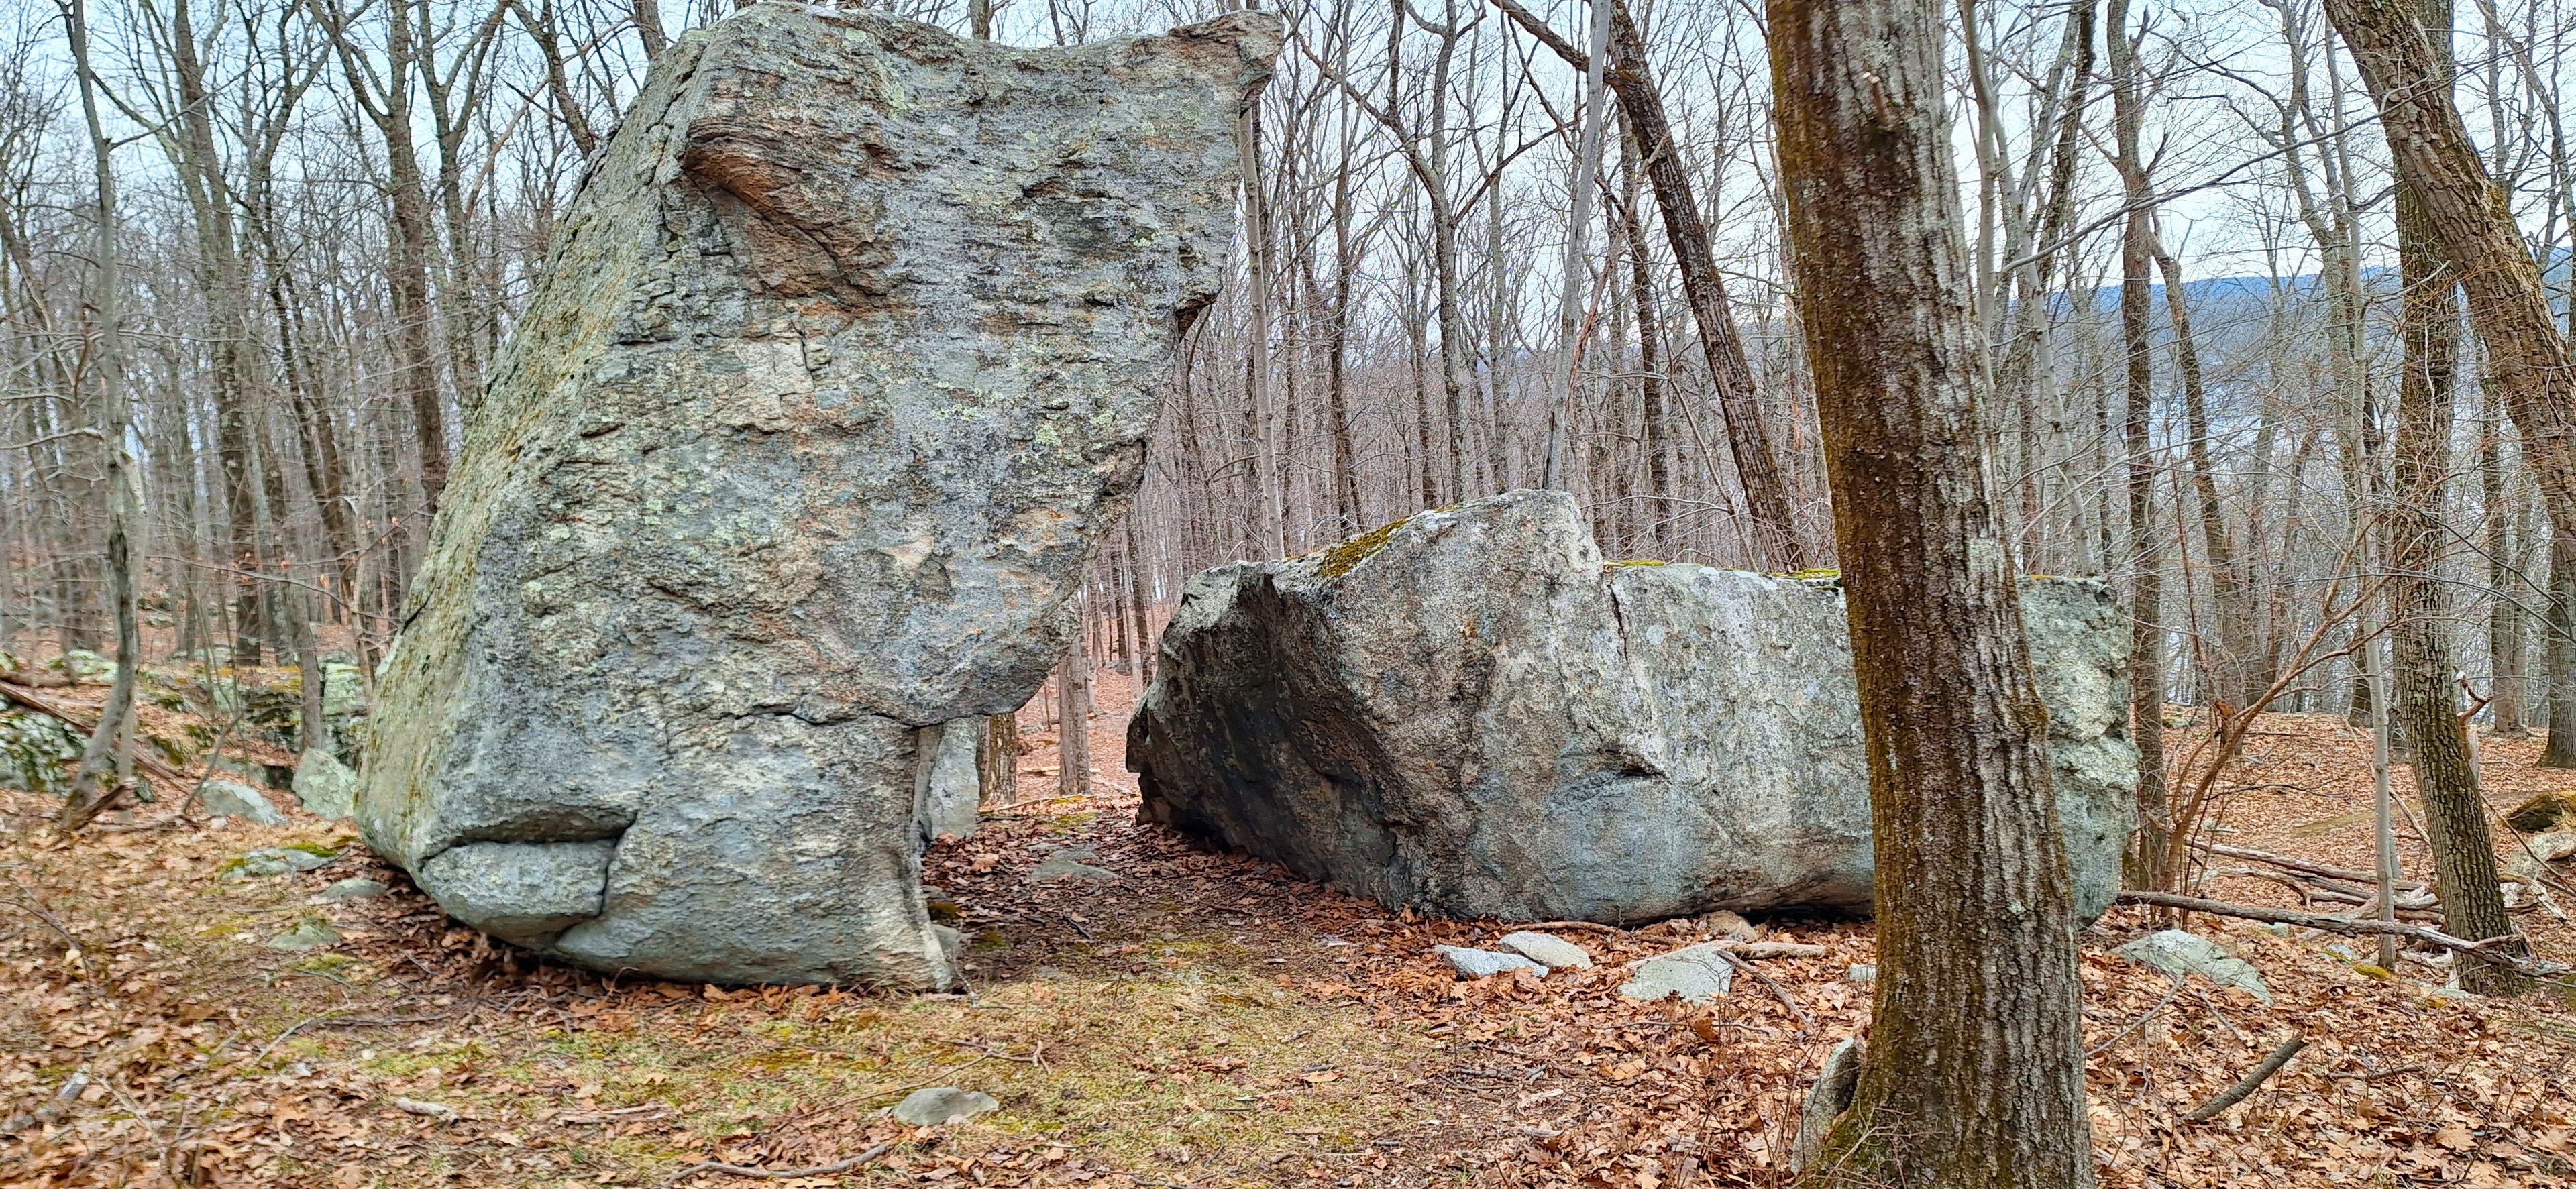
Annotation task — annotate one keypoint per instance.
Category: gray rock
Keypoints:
(231, 798)
(951, 941)
(1826, 1101)
(1467, 713)
(1068, 864)
(326, 786)
(844, 361)
(270, 861)
(947, 788)
(349, 889)
(1547, 949)
(309, 933)
(1862, 972)
(1471, 963)
(526, 892)
(2180, 955)
(1696, 974)
(943, 1105)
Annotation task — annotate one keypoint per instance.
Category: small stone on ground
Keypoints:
(229, 798)
(942, 1105)
(1547, 949)
(2181, 955)
(1696, 974)
(308, 934)
(270, 861)
(1486, 963)
(350, 889)
(1068, 864)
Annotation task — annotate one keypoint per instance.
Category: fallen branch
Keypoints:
(2353, 928)
(2303, 865)
(780, 1174)
(2249, 1083)
(37, 702)
(1779, 992)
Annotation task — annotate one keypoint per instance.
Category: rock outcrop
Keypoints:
(843, 361)
(1468, 713)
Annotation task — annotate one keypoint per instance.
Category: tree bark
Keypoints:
(2465, 220)
(1975, 1072)
(2558, 654)
(997, 762)
(2145, 541)
(1073, 713)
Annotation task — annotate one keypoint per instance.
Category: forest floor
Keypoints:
(1203, 1020)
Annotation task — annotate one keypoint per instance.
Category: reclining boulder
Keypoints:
(1468, 714)
(842, 364)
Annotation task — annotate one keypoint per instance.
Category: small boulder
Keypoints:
(269, 861)
(1695, 974)
(1068, 864)
(942, 1105)
(326, 786)
(229, 798)
(1471, 963)
(349, 889)
(1547, 949)
(2180, 955)
(310, 933)
(1862, 972)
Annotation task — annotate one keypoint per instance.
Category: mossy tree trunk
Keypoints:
(1975, 1067)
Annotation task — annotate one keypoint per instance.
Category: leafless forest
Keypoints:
(1474, 258)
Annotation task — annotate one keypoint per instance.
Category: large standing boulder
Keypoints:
(843, 361)
(1468, 713)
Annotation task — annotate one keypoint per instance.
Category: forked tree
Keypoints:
(1975, 1068)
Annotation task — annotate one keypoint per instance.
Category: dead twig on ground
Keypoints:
(2249, 1083)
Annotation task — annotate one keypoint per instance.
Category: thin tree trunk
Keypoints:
(2145, 541)
(2506, 685)
(1073, 714)
(99, 776)
(2446, 774)
(1975, 1071)
(2558, 654)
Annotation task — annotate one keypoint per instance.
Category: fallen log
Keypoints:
(2348, 927)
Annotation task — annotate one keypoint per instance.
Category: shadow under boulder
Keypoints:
(1469, 713)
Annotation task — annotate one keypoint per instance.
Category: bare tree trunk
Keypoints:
(2558, 654)
(2232, 591)
(2145, 539)
(997, 762)
(2506, 629)
(1975, 1070)
(1657, 441)
(1073, 714)
(99, 776)
(2446, 773)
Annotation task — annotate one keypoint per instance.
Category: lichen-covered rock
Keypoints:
(843, 361)
(1468, 713)
(233, 799)
(325, 786)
